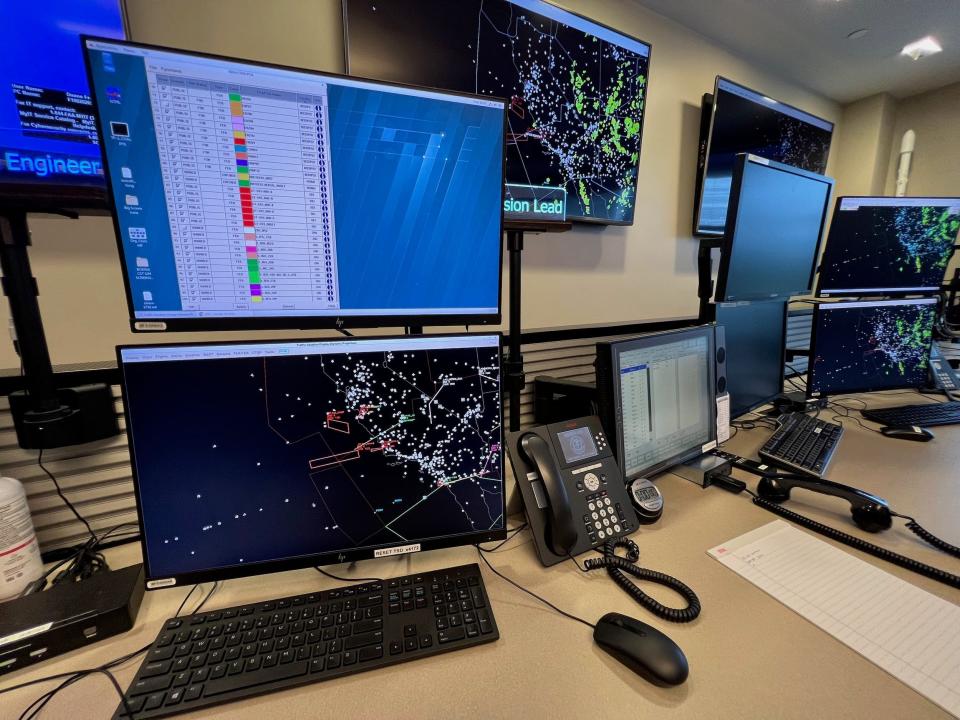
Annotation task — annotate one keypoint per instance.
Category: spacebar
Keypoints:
(260, 677)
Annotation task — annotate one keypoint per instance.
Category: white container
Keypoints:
(20, 562)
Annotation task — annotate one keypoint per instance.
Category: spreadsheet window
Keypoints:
(244, 190)
(665, 401)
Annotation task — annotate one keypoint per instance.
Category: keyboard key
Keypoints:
(333, 661)
(149, 685)
(174, 696)
(265, 676)
(358, 641)
(372, 652)
(396, 647)
(174, 624)
(136, 704)
(316, 665)
(155, 668)
(451, 634)
(235, 667)
(410, 644)
(199, 676)
(409, 630)
(181, 678)
(154, 701)
(218, 671)
(349, 657)
(192, 692)
(426, 641)
(472, 630)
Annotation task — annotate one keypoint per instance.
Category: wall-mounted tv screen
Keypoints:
(49, 148)
(741, 120)
(577, 90)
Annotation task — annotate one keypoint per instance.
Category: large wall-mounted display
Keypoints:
(577, 90)
(49, 150)
(740, 120)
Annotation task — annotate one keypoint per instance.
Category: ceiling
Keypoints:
(806, 40)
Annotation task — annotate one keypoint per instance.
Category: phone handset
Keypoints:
(561, 532)
(870, 513)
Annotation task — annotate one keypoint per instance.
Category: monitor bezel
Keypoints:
(871, 292)
(69, 198)
(702, 169)
(781, 366)
(646, 101)
(733, 217)
(290, 322)
(156, 582)
(811, 365)
(616, 348)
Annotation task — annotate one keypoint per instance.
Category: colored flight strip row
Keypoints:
(246, 201)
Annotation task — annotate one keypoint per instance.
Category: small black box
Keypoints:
(68, 616)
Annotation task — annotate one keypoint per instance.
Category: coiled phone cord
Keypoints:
(915, 527)
(920, 568)
(617, 565)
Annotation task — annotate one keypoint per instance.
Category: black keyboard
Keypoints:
(802, 444)
(225, 655)
(945, 413)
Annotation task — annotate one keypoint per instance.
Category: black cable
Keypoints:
(515, 531)
(917, 529)
(63, 497)
(857, 543)
(616, 567)
(34, 709)
(349, 580)
(481, 551)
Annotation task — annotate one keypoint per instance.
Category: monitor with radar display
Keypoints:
(657, 398)
(252, 196)
(889, 245)
(867, 346)
(774, 227)
(577, 90)
(740, 120)
(256, 457)
(49, 145)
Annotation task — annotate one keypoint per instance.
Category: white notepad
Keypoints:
(910, 633)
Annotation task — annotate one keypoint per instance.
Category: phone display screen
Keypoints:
(577, 444)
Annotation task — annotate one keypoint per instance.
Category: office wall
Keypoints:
(590, 275)
(863, 145)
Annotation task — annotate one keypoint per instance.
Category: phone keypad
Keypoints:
(605, 518)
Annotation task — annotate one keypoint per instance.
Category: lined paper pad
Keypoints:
(910, 633)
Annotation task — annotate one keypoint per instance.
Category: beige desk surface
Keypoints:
(750, 657)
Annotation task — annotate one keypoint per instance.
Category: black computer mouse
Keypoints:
(908, 432)
(643, 649)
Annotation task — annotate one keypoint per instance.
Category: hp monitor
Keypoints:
(774, 227)
(49, 145)
(866, 346)
(755, 339)
(256, 457)
(577, 90)
(741, 120)
(657, 398)
(888, 246)
(252, 196)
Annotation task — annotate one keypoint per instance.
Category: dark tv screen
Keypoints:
(746, 121)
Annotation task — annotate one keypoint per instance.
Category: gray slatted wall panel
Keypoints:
(799, 328)
(95, 477)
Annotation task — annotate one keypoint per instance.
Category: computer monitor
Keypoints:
(774, 227)
(889, 245)
(657, 399)
(741, 120)
(255, 457)
(49, 148)
(577, 89)
(755, 335)
(866, 346)
(254, 196)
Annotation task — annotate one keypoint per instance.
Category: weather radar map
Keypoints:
(576, 90)
(889, 244)
(292, 450)
(872, 346)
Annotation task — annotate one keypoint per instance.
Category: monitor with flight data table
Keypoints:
(889, 245)
(657, 398)
(253, 196)
(256, 457)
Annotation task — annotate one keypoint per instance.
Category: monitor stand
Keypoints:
(699, 469)
(44, 415)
